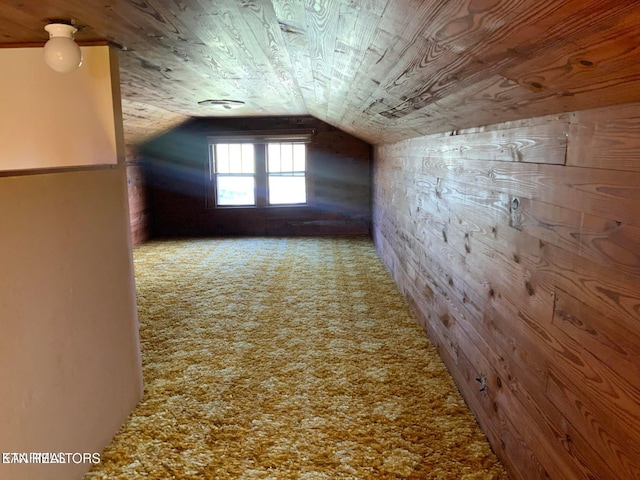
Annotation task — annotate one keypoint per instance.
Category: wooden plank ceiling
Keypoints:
(382, 70)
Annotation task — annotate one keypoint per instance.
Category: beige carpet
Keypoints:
(280, 358)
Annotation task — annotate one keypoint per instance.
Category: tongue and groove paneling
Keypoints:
(380, 70)
(517, 247)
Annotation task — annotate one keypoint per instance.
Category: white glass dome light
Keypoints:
(61, 52)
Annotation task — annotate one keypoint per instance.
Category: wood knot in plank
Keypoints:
(529, 288)
(517, 218)
(482, 380)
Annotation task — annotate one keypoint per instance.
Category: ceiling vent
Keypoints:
(226, 104)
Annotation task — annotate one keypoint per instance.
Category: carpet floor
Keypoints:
(287, 358)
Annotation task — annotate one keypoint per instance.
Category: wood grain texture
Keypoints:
(357, 28)
(322, 24)
(137, 198)
(145, 121)
(526, 275)
(602, 192)
(598, 239)
(538, 144)
(138, 206)
(380, 70)
(608, 143)
(448, 301)
(590, 388)
(600, 51)
(291, 18)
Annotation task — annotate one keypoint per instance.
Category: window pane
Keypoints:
(236, 190)
(235, 158)
(286, 157)
(222, 158)
(299, 157)
(287, 189)
(248, 165)
(273, 157)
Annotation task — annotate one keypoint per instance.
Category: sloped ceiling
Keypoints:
(382, 70)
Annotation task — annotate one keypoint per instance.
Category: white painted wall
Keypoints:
(70, 369)
(49, 119)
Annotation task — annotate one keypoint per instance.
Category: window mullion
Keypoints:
(261, 174)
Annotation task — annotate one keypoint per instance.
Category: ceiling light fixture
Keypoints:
(226, 104)
(61, 52)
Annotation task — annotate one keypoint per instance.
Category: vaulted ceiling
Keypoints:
(382, 70)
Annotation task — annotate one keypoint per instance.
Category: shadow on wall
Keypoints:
(177, 177)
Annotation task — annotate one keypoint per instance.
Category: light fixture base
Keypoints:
(60, 30)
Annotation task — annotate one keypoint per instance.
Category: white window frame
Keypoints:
(260, 140)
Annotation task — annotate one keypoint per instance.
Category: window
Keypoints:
(234, 169)
(286, 168)
(265, 172)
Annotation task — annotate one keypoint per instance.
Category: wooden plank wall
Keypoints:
(338, 196)
(518, 247)
(138, 207)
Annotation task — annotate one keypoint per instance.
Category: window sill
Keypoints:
(260, 207)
